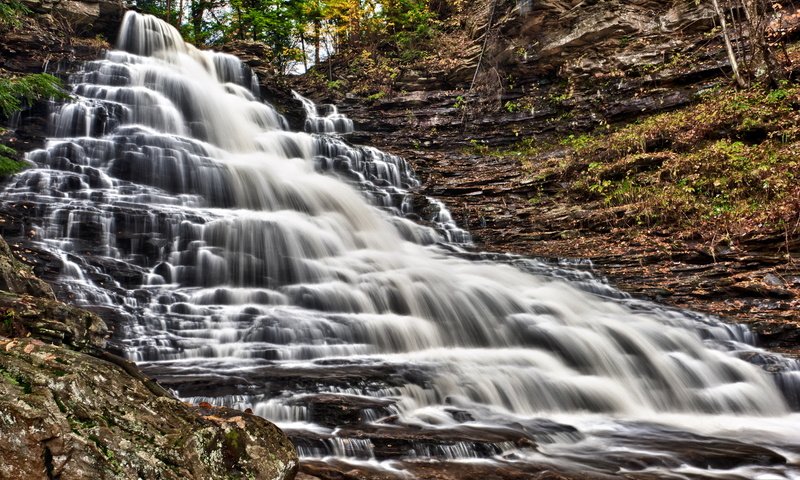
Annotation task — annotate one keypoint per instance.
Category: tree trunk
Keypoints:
(317, 28)
(731, 56)
(757, 26)
(197, 12)
(303, 47)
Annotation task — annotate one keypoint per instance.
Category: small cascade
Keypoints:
(324, 119)
(297, 275)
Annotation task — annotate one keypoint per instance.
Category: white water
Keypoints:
(231, 245)
(331, 122)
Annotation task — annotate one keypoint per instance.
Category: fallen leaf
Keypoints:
(239, 421)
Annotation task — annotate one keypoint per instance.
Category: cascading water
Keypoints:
(252, 266)
(331, 122)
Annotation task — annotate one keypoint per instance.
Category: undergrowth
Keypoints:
(8, 166)
(11, 12)
(727, 165)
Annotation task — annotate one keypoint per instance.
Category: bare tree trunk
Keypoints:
(303, 47)
(757, 25)
(731, 56)
(316, 40)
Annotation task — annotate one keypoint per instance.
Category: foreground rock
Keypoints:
(70, 410)
(70, 415)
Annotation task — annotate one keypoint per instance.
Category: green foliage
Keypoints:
(576, 141)
(8, 317)
(479, 147)
(777, 95)
(6, 150)
(409, 22)
(16, 379)
(334, 85)
(19, 92)
(376, 67)
(556, 99)
(154, 7)
(673, 169)
(11, 12)
(303, 31)
(275, 23)
(511, 107)
(8, 166)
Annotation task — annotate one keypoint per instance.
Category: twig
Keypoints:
(485, 43)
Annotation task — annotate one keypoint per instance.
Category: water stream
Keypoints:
(287, 272)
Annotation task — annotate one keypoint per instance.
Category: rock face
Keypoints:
(557, 66)
(69, 410)
(58, 34)
(56, 37)
(83, 17)
(16, 277)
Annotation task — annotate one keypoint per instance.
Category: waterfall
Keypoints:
(331, 122)
(283, 271)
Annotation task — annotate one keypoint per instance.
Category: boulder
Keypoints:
(69, 415)
(70, 410)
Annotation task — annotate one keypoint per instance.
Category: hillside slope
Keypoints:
(600, 130)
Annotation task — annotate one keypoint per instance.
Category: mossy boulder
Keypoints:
(68, 415)
(70, 410)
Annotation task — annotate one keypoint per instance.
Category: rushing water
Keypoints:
(248, 265)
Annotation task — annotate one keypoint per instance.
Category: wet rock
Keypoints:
(698, 451)
(51, 321)
(16, 277)
(443, 470)
(773, 280)
(338, 410)
(758, 289)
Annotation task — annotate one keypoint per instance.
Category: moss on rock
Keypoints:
(70, 410)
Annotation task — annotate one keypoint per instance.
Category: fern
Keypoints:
(10, 13)
(19, 92)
